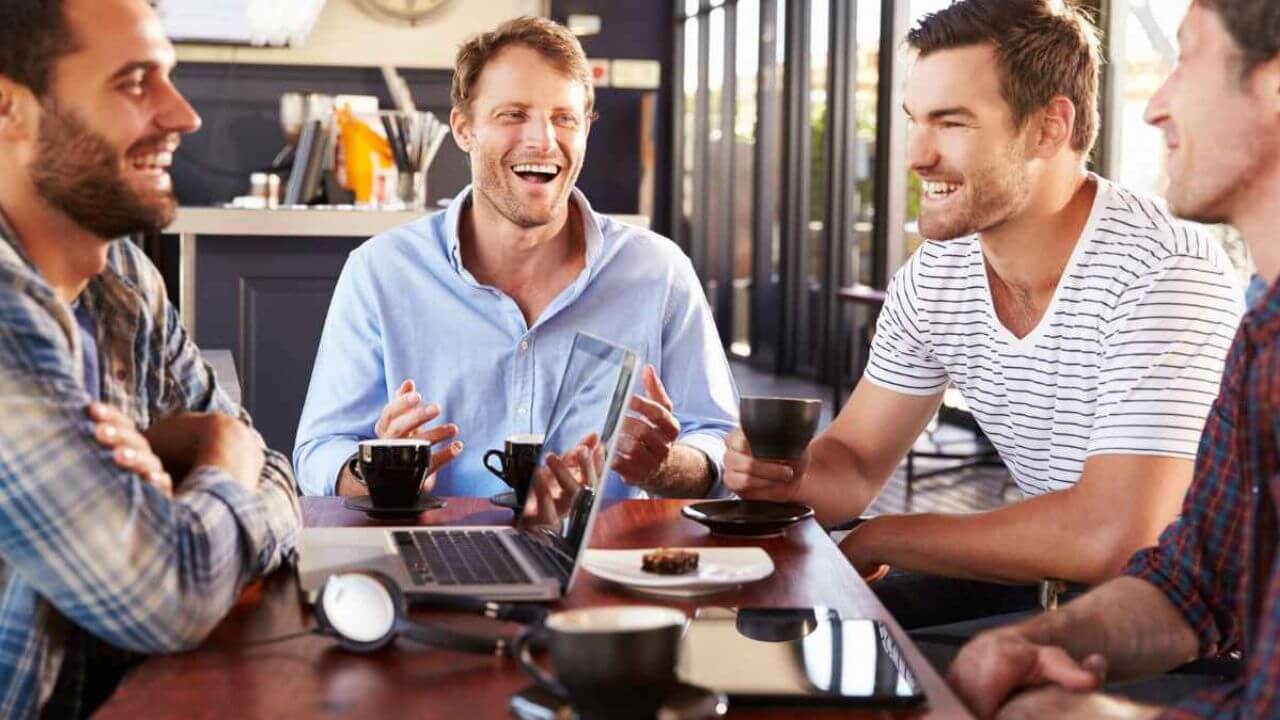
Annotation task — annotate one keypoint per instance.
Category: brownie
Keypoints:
(666, 561)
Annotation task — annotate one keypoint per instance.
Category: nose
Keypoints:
(922, 154)
(175, 114)
(539, 134)
(1157, 111)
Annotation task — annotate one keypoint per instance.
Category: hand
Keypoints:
(557, 482)
(996, 663)
(646, 437)
(1053, 702)
(752, 479)
(130, 449)
(858, 546)
(406, 417)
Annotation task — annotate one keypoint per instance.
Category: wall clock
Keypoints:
(401, 11)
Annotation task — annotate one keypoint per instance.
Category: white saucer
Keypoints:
(719, 569)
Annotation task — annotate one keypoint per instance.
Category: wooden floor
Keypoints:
(968, 490)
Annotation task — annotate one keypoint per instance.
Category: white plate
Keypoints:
(718, 567)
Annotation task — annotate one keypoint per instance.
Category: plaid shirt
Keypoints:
(96, 566)
(1216, 562)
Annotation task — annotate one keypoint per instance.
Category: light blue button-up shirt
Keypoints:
(406, 308)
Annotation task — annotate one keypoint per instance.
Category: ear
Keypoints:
(460, 124)
(1056, 124)
(17, 106)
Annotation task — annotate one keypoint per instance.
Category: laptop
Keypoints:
(496, 562)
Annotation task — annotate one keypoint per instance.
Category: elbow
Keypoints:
(1108, 555)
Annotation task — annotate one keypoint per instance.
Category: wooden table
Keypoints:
(311, 677)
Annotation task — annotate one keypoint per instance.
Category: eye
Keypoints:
(133, 85)
(511, 115)
(566, 120)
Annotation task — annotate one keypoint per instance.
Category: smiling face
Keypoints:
(526, 135)
(111, 121)
(963, 145)
(1221, 137)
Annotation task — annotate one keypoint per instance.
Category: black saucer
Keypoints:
(362, 503)
(505, 499)
(747, 518)
(686, 702)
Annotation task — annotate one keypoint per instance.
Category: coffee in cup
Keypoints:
(610, 662)
(516, 462)
(779, 428)
(394, 470)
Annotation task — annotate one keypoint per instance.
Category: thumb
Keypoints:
(406, 387)
(1056, 667)
(653, 385)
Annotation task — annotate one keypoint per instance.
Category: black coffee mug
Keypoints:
(516, 462)
(393, 469)
(779, 428)
(610, 662)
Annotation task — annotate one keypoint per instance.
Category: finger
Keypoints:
(437, 434)
(565, 481)
(161, 481)
(138, 463)
(444, 457)
(639, 430)
(762, 469)
(408, 422)
(395, 408)
(653, 385)
(405, 388)
(736, 441)
(1056, 667)
(659, 416)
(636, 449)
(103, 412)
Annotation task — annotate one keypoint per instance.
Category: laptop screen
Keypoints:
(594, 392)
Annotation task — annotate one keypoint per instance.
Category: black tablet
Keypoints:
(796, 656)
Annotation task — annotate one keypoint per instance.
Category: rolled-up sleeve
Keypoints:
(695, 372)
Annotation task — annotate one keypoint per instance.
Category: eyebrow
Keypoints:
(130, 68)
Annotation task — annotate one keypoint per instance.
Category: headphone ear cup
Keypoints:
(326, 627)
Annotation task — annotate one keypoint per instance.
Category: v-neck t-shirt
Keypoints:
(1126, 359)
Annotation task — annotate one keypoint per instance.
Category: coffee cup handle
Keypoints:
(353, 467)
(501, 471)
(522, 653)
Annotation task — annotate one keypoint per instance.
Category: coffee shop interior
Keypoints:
(767, 140)
(764, 137)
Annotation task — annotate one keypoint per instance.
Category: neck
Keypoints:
(509, 257)
(1030, 251)
(1257, 220)
(66, 255)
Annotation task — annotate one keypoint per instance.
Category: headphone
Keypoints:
(366, 611)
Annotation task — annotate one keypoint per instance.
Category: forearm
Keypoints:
(1128, 621)
(1049, 536)
(686, 473)
(837, 484)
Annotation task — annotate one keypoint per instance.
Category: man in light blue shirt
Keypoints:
(469, 314)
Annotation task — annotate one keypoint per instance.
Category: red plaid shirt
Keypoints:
(1216, 562)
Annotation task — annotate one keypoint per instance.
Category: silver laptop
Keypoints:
(497, 562)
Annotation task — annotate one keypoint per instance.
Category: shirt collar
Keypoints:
(1262, 321)
(590, 225)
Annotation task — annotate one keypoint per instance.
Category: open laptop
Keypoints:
(497, 562)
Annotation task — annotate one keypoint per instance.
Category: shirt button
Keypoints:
(521, 411)
(121, 375)
(524, 345)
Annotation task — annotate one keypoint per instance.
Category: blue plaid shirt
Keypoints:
(95, 564)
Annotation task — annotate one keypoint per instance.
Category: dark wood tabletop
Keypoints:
(311, 677)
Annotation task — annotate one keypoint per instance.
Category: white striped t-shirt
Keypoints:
(1126, 359)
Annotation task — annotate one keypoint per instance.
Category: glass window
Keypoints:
(815, 238)
(866, 105)
(746, 72)
(717, 156)
(688, 153)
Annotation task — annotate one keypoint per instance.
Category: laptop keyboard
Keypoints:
(547, 560)
(458, 557)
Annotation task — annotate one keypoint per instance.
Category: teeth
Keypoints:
(530, 168)
(156, 160)
(939, 188)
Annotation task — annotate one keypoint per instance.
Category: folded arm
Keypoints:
(1083, 534)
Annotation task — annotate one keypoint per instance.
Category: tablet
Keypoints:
(808, 656)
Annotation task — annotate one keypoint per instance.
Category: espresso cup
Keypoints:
(779, 428)
(393, 469)
(610, 662)
(516, 462)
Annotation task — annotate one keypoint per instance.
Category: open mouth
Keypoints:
(152, 164)
(938, 191)
(536, 173)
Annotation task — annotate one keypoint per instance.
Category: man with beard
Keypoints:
(1085, 329)
(136, 501)
(1212, 585)
(469, 314)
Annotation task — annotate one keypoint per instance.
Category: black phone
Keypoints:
(800, 656)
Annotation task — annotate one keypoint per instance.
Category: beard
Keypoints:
(991, 195)
(79, 173)
(498, 186)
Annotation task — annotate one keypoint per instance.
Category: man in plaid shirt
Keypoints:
(136, 501)
(1212, 584)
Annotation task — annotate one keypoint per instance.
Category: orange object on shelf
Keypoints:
(363, 151)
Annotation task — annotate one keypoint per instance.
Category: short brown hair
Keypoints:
(550, 39)
(1045, 49)
(1254, 25)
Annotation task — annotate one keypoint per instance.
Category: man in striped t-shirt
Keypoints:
(1085, 328)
